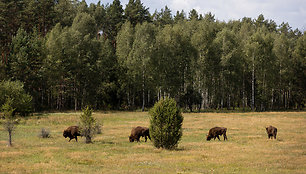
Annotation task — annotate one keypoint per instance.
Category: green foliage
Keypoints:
(25, 62)
(175, 59)
(8, 109)
(180, 16)
(136, 13)
(85, 24)
(65, 12)
(114, 20)
(190, 98)
(78, 62)
(193, 15)
(88, 125)
(10, 123)
(166, 124)
(298, 69)
(12, 92)
(69, 54)
(162, 18)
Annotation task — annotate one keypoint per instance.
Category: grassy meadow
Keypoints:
(248, 149)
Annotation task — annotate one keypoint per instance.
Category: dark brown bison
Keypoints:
(271, 131)
(72, 132)
(138, 132)
(215, 132)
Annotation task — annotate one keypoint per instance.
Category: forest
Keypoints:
(67, 54)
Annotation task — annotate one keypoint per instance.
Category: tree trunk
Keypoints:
(229, 102)
(253, 83)
(10, 138)
(143, 91)
(148, 100)
(272, 99)
(243, 92)
(128, 98)
(75, 100)
(88, 139)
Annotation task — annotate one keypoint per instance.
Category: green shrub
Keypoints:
(21, 101)
(10, 122)
(166, 124)
(98, 128)
(88, 125)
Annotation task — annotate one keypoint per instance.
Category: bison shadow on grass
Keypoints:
(215, 132)
(138, 132)
(72, 132)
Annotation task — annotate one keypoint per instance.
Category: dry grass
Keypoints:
(248, 149)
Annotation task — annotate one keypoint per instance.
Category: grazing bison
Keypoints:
(72, 132)
(138, 132)
(271, 131)
(215, 132)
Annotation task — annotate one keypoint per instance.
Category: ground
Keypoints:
(248, 149)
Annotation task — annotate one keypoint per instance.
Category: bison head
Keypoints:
(208, 138)
(131, 139)
(65, 134)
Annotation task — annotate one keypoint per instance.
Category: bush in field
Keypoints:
(166, 124)
(21, 101)
(44, 133)
(98, 128)
(88, 125)
(10, 122)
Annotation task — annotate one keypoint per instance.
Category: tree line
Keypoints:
(69, 54)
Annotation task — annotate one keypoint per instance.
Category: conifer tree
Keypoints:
(166, 124)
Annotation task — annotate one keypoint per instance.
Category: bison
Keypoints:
(271, 131)
(138, 132)
(72, 132)
(215, 132)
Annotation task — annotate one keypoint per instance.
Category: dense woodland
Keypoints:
(69, 54)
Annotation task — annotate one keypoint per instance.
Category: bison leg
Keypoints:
(149, 136)
(215, 136)
(218, 137)
(76, 138)
(70, 139)
(274, 136)
(225, 137)
(145, 138)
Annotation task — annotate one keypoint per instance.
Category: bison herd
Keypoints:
(73, 132)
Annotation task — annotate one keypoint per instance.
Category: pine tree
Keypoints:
(10, 123)
(114, 20)
(87, 125)
(136, 12)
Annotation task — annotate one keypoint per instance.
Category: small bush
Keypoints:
(166, 124)
(44, 133)
(98, 128)
(10, 120)
(87, 125)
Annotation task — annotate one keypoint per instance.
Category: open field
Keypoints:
(248, 149)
